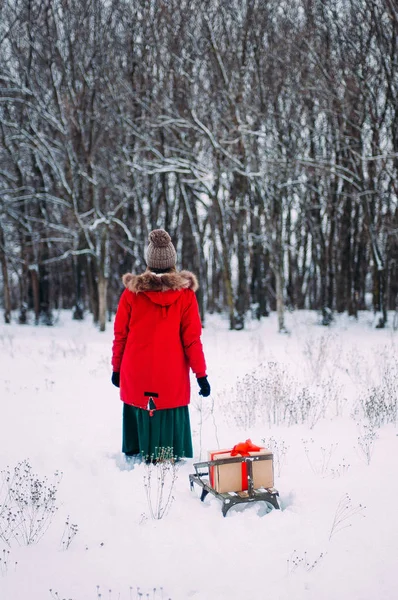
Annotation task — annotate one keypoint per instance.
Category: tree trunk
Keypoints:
(331, 262)
(241, 302)
(6, 283)
(393, 265)
(92, 288)
(280, 304)
(301, 275)
(78, 270)
(35, 292)
(258, 290)
(225, 265)
(379, 299)
(46, 316)
(278, 263)
(102, 296)
(290, 285)
(103, 278)
(192, 244)
(344, 279)
(359, 270)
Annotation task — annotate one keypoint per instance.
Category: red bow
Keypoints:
(244, 448)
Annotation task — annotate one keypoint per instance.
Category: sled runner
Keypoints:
(230, 499)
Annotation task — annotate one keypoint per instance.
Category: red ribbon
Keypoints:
(242, 449)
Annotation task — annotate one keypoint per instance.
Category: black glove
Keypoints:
(204, 386)
(116, 379)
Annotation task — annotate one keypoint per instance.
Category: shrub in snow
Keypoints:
(69, 534)
(322, 353)
(301, 561)
(264, 394)
(73, 348)
(311, 403)
(344, 512)
(342, 468)
(279, 450)
(319, 460)
(377, 379)
(357, 367)
(134, 594)
(154, 594)
(379, 405)
(366, 441)
(271, 395)
(5, 562)
(380, 402)
(27, 504)
(319, 457)
(161, 473)
(56, 596)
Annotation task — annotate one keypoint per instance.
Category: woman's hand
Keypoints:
(204, 386)
(116, 379)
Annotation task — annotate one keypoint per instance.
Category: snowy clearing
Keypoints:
(323, 399)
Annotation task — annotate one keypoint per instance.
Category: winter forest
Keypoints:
(263, 135)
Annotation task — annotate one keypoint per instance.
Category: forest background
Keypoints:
(263, 135)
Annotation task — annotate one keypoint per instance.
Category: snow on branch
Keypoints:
(125, 229)
(66, 255)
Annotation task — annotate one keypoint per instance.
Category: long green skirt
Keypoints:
(167, 429)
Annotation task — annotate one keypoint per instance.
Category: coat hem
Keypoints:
(157, 406)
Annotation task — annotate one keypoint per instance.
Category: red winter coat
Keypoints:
(157, 339)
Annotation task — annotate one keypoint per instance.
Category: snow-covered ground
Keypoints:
(60, 411)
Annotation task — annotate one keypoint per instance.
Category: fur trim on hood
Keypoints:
(162, 282)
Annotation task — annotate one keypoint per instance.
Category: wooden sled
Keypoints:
(230, 499)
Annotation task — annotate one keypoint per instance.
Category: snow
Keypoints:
(60, 411)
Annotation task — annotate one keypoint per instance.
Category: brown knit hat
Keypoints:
(160, 253)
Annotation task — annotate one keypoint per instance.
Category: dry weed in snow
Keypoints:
(319, 457)
(27, 504)
(69, 534)
(379, 405)
(279, 449)
(271, 395)
(134, 593)
(302, 561)
(5, 563)
(344, 512)
(322, 354)
(161, 472)
(366, 442)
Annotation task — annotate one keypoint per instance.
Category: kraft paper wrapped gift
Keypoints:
(233, 477)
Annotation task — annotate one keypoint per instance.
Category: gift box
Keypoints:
(233, 477)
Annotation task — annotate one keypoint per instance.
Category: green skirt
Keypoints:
(168, 429)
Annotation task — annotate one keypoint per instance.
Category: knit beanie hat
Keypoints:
(160, 253)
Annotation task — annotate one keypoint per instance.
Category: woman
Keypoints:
(156, 342)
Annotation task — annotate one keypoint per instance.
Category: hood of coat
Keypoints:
(169, 284)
